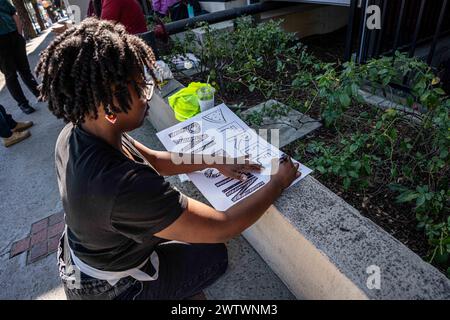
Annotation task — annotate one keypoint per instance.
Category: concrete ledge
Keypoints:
(321, 247)
(214, 6)
(292, 126)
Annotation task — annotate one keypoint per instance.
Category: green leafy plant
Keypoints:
(256, 58)
(411, 156)
(403, 153)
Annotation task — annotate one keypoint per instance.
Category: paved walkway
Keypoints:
(30, 215)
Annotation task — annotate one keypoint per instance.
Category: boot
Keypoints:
(16, 137)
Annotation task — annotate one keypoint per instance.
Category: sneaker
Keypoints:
(16, 137)
(27, 109)
(21, 126)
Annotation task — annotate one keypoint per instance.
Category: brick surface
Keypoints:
(19, 246)
(38, 226)
(37, 251)
(53, 244)
(39, 237)
(56, 218)
(56, 230)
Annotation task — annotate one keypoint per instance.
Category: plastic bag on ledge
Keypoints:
(186, 62)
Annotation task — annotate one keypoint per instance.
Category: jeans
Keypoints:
(7, 123)
(13, 60)
(184, 271)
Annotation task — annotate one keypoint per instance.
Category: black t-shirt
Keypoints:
(113, 205)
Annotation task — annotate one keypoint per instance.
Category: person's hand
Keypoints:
(286, 172)
(237, 168)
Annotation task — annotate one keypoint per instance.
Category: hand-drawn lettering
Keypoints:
(192, 128)
(215, 116)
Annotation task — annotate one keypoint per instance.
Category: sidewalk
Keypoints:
(29, 195)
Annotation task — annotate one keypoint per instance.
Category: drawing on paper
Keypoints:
(205, 146)
(220, 153)
(231, 129)
(215, 117)
(262, 154)
(192, 128)
(221, 133)
(240, 189)
(191, 142)
(241, 142)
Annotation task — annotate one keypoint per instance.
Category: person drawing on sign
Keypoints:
(121, 216)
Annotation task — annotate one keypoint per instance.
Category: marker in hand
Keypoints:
(283, 157)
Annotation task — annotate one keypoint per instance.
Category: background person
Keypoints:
(13, 57)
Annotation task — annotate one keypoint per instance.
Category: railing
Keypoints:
(405, 25)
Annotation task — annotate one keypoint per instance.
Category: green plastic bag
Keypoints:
(185, 102)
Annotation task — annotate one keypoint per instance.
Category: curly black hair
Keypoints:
(87, 65)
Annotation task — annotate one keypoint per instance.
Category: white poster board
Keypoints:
(219, 131)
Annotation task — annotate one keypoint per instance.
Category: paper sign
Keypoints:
(218, 131)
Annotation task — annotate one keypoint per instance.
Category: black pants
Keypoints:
(13, 60)
(7, 123)
(184, 271)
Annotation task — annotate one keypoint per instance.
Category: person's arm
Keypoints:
(200, 223)
(163, 162)
(18, 23)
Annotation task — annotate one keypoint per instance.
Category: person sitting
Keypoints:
(130, 234)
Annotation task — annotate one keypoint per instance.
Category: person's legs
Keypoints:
(8, 129)
(23, 67)
(184, 270)
(9, 68)
(7, 123)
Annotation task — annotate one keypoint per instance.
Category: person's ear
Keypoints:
(110, 116)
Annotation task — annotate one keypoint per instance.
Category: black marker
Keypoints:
(283, 157)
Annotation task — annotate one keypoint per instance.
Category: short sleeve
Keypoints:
(145, 204)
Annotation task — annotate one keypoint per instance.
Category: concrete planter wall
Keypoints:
(323, 248)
